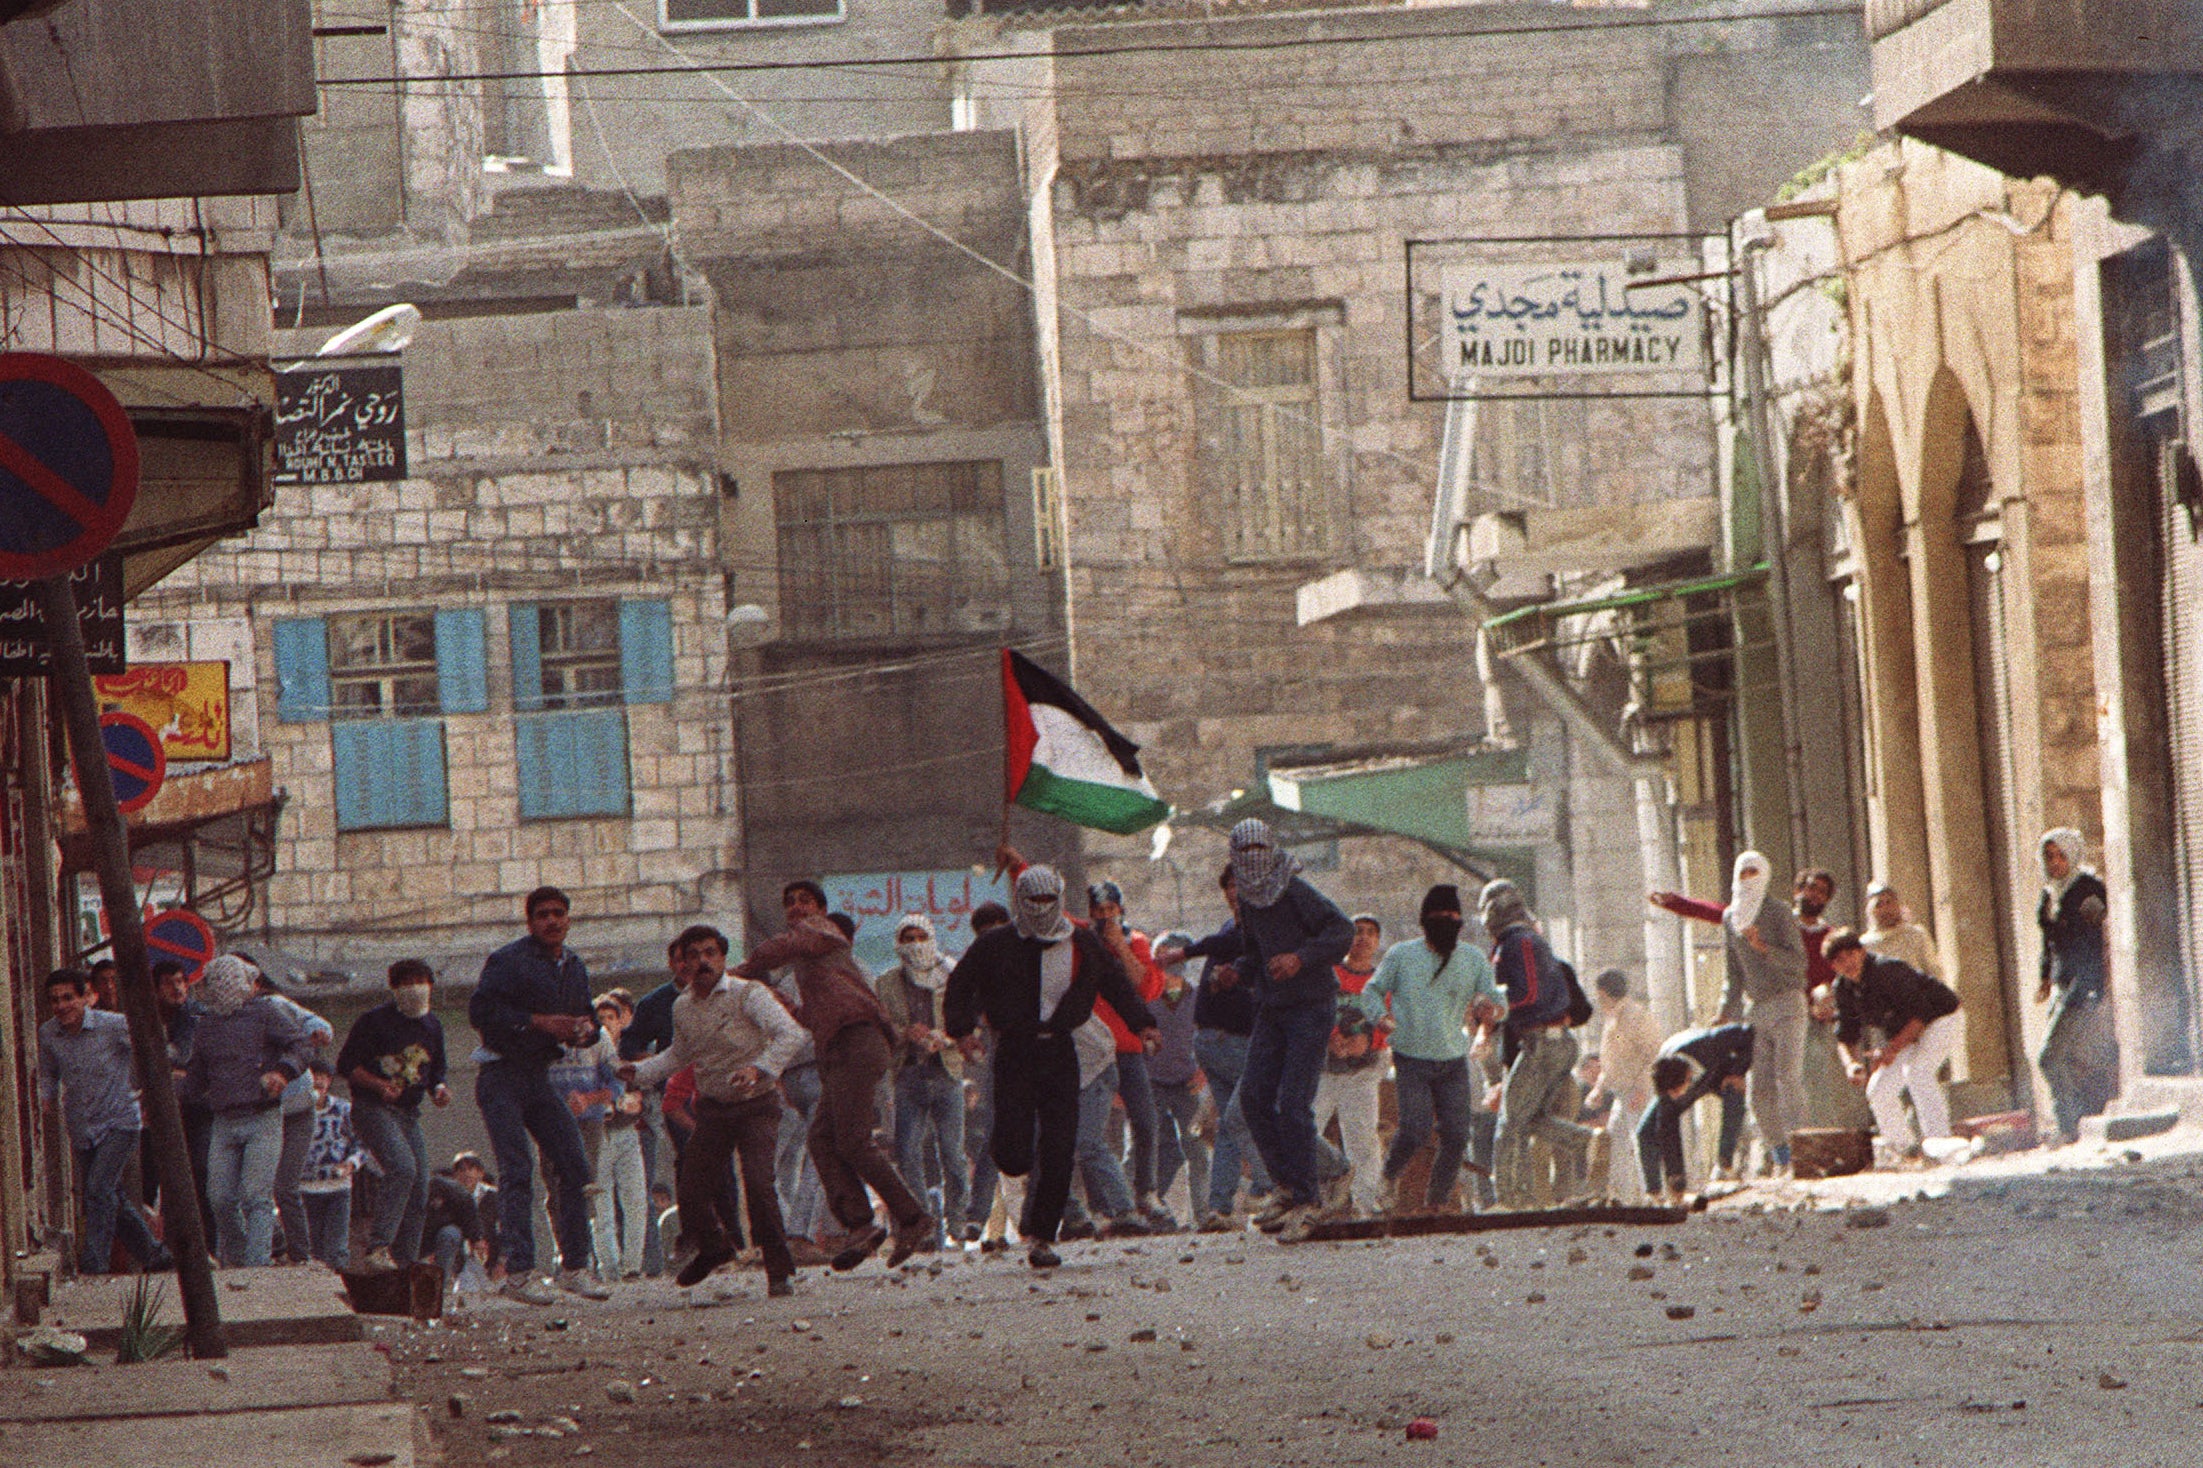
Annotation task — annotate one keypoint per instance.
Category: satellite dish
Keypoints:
(388, 330)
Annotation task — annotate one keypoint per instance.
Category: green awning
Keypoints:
(1635, 596)
(1425, 800)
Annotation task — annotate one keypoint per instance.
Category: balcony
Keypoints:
(2077, 90)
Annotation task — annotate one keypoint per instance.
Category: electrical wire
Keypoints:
(1206, 46)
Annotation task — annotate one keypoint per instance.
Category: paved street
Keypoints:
(2035, 1310)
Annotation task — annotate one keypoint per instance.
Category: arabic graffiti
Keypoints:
(23, 651)
(339, 425)
(1516, 320)
(186, 703)
(878, 900)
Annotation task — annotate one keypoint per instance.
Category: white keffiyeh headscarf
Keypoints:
(226, 985)
(2075, 847)
(1036, 906)
(1747, 890)
(1261, 870)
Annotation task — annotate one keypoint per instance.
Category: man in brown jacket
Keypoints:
(740, 1037)
(855, 1052)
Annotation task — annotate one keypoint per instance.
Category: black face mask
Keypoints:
(1442, 933)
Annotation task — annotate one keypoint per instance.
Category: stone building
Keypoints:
(1221, 216)
(1955, 550)
(509, 667)
(2101, 100)
(881, 440)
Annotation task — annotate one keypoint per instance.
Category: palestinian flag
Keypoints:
(1064, 759)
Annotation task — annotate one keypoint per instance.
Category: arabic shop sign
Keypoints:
(1547, 320)
(98, 587)
(186, 705)
(879, 900)
(339, 425)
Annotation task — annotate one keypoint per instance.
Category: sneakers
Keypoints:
(1295, 1226)
(378, 1261)
(1043, 1257)
(581, 1282)
(700, 1268)
(994, 1246)
(780, 1289)
(1274, 1213)
(862, 1245)
(911, 1237)
(1083, 1229)
(1129, 1226)
(1218, 1223)
(527, 1289)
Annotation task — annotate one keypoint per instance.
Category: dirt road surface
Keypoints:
(2034, 1311)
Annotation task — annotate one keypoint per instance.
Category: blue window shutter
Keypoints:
(301, 670)
(527, 646)
(572, 762)
(462, 674)
(646, 651)
(389, 772)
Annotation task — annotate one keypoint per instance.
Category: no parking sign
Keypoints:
(183, 935)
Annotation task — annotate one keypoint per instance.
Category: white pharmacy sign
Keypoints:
(1546, 320)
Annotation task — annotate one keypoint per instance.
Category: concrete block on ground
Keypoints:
(2129, 1126)
(390, 1434)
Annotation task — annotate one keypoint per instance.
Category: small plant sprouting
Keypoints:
(144, 1338)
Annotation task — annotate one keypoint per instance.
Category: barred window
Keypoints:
(892, 550)
(383, 665)
(578, 650)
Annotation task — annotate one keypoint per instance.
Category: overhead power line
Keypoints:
(1206, 47)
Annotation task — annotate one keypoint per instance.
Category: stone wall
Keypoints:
(552, 455)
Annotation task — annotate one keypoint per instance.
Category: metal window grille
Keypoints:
(579, 653)
(893, 551)
(383, 665)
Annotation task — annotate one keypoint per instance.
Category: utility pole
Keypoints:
(182, 1228)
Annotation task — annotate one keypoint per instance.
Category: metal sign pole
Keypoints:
(186, 1237)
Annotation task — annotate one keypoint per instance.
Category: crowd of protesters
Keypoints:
(1060, 1076)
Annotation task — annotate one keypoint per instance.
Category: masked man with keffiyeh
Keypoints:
(2080, 1054)
(1294, 937)
(1034, 982)
(1767, 967)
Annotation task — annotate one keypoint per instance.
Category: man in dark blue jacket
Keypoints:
(1538, 994)
(533, 999)
(1223, 1020)
(1693, 1065)
(1294, 936)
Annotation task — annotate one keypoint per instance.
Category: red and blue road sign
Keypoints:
(68, 466)
(135, 760)
(183, 935)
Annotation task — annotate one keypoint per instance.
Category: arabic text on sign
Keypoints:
(1516, 320)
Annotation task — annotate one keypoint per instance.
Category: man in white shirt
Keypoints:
(740, 1038)
(1629, 1042)
(1891, 932)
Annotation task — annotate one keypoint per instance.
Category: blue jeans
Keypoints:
(243, 1151)
(1177, 1103)
(329, 1219)
(1660, 1133)
(979, 1144)
(1106, 1188)
(451, 1252)
(802, 1198)
(1278, 1091)
(519, 1103)
(1430, 1093)
(1138, 1095)
(929, 1106)
(107, 1212)
(401, 1195)
(1223, 1059)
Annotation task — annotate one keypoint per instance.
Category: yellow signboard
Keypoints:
(186, 703)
